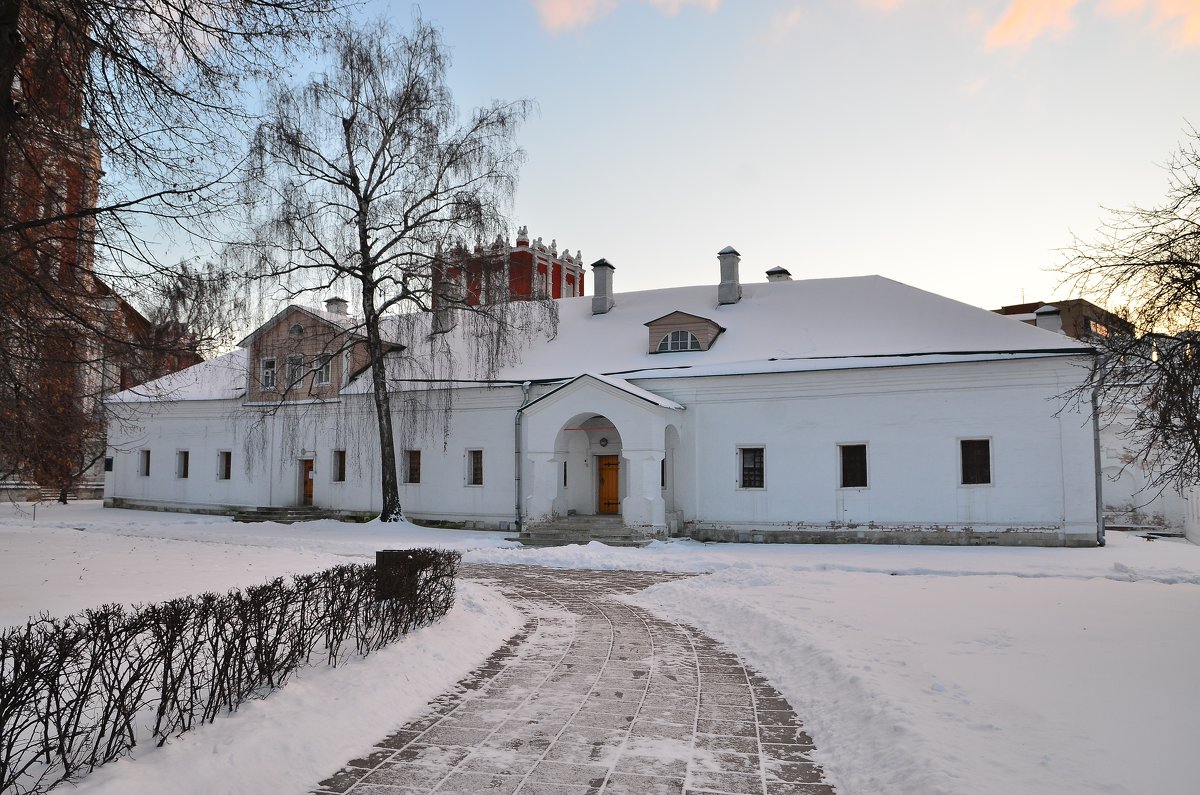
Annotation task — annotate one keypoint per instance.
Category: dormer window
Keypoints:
(680, 331)
(679, 341)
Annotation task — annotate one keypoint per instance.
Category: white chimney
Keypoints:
(730, 289)
(1048, 317)
(778, 274)
(336, 306)
(448, 294)
(602, 298)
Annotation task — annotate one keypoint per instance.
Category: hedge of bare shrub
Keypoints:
(80, 691)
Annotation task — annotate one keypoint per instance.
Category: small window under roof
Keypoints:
(678, 341)
(681, 331)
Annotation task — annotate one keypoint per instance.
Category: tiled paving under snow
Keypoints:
(593, 695)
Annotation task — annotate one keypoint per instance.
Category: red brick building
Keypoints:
(66, 338)
(528, 269)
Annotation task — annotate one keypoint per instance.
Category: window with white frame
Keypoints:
(267, 379)
(752, 468)
(224, 465)
(976, 458)
(182, 459)
(339, 466)
(295, 371)
(144, 463)
(678, 341)
(474, 467)
(324, 369)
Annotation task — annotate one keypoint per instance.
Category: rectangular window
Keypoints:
(108, 463)
(474, 467)
(268, 374)
(324, 367)
(144, 464)
(295, 370)
(339, 465)
(751, 468)
(224, 465)
(412, 466)
(854, 465)
(976, 461)
(181, 463)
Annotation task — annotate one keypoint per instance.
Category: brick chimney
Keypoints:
(778, 274)
(730, 289)
(336, 306)
(602, 298)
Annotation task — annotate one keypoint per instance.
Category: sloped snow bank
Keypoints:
(323, 717)
(970, 683)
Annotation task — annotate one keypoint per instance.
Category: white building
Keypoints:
(848, 409)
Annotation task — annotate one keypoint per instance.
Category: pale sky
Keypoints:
(953, 145)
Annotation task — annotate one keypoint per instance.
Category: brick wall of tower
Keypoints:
(534, 270)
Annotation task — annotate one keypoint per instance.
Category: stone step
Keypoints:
(582, 530)
(563, 539)
(283, 514)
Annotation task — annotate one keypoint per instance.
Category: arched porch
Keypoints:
(594, 450)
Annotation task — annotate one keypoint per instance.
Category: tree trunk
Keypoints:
(390, 483)
(12, 50)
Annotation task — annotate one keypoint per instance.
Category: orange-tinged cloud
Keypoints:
(560, 15)
(1026, 20)
(1181, 18)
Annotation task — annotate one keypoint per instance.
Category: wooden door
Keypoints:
(608, 468)
(306, 481)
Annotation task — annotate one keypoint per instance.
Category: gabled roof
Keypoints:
(673, 316)
(347, 324)
(616, 383)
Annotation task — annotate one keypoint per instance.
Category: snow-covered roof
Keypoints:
(810, 322)
(783, 326)
(221, 378)
(617, 383)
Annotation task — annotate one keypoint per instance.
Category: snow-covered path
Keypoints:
(916, 669)
(595, 695)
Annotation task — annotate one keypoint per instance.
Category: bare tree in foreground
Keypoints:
(119, 122)
(368, 180)
(1145, 264)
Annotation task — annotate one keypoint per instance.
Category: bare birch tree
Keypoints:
(368, 180)
(1145, 264)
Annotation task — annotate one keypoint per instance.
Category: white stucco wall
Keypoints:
(1129, 500)
(910, 418)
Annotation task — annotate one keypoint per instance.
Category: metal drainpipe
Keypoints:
(1100, 365)
(517, 448)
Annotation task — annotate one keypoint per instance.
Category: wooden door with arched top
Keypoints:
(608, 469)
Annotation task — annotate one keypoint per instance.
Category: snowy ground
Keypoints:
(917, 670)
